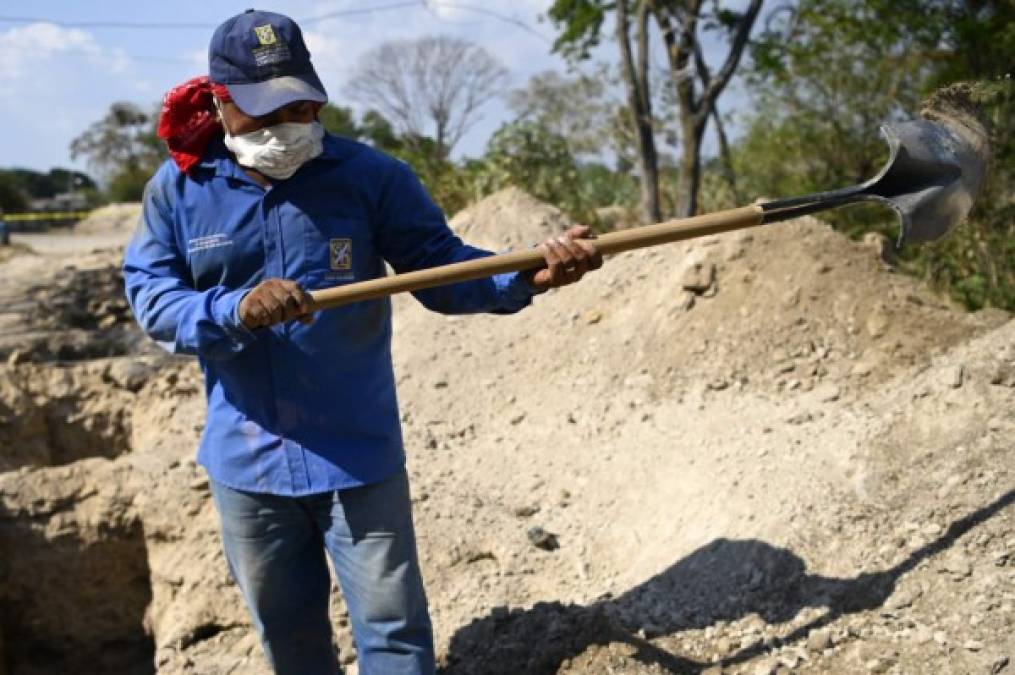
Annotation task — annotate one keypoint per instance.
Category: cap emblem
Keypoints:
(265, 35)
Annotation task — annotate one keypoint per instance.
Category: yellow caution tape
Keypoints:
(44, 215)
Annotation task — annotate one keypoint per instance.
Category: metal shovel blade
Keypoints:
(933, 175)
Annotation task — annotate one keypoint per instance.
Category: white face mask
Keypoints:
(278, 151)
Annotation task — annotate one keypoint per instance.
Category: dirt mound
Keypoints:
(121, 217)
(757, 453)
(76, 313)
(510, 218)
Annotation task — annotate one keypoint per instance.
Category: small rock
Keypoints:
(972, 645)
(440, 384)
(882, 247)
(922, 634)
(540, 538)
(107, 322)
(819, 640)
(999, 665)
(827, 393)
(877, 321)
(1003, 375)
(685, 301)
(130, 374)
(719, 384)
(593, 317)
(698, 277)
(953, 376)
(957, 565)
(526, 511)
(791, 659)
(876, 665)
(861, 369)
(940, 637)
(902, 598)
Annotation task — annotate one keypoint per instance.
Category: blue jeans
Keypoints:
(275, 547)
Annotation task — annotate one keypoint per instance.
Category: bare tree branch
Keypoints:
(640, 102)
(736, 50)
(428, 87)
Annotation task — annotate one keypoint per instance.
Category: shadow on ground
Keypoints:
(725, 580)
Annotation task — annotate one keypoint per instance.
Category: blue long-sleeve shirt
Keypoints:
(295, 409)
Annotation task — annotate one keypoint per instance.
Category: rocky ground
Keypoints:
(764, 452)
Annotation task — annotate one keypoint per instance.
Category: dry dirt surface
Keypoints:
(110, 218)
(759, 453)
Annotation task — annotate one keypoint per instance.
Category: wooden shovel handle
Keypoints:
(516, 261)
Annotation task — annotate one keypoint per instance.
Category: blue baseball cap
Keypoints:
(262, 60)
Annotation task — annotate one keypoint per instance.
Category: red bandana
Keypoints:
(188, 121)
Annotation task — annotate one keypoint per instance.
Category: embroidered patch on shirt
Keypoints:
(341, 254)
(207, 242)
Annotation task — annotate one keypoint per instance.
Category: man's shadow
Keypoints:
(725, 580)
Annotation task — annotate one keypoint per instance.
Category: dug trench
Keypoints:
(74, 577)
(75, 583)
(763, 453)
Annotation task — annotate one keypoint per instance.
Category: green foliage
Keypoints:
(127, 184)
(579, 22)
(38, 185)
(339, 121)
(827, 73)
(378, 131)
(11, 196)
(531, 157)
(976, 264)
(978, 37)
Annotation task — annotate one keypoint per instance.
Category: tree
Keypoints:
(339, 121)
(578, 108)
(12, 199)
(123, 148)
(535, 159)
(580, 22)
(431, 87)
(635, 68)
(827, 73)
(682, 26)
(38, 185)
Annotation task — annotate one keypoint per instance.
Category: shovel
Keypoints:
(933, 174)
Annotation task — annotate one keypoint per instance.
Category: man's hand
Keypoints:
(275, 301)
(568, 257)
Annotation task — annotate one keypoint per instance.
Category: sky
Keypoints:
(59, 71)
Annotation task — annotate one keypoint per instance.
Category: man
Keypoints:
(302, 441)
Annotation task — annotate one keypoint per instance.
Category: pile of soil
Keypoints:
(763, 452)
(74, 312)
(110, 218)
